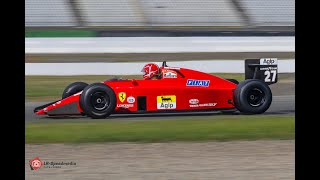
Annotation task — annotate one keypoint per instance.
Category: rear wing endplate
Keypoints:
(265, 69)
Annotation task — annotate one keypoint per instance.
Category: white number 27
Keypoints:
(268, 74)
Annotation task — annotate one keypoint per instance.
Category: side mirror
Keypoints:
(164, 64)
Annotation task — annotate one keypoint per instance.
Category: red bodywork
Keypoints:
(178, 89)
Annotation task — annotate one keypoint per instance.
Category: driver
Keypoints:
(151, 71)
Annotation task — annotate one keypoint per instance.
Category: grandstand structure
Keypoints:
(158, 13)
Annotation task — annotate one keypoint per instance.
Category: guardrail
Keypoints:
(158, 44)
(208, 66)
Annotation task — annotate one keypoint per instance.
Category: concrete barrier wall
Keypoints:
(158, 44)
(208, 66)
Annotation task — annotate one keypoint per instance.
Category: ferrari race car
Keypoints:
(179, 89)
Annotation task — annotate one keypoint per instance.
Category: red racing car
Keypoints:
(176, 89)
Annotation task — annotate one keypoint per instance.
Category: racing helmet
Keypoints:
(150, 70)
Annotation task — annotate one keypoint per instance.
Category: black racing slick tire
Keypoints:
(98, 100)
(233, 81)
(252, 96)
(73, 88)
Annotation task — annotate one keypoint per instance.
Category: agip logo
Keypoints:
(268, 61)
(166, 102)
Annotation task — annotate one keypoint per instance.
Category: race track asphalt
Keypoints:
(240, 160)
(281, 105)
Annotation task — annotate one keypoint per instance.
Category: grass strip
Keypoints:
(221, 128)
(60, 33)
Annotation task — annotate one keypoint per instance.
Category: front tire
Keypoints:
(252, 96)
(73, 88)
(98, 100)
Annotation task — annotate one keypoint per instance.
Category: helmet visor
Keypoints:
(143, 71)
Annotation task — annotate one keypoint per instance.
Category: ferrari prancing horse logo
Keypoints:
(122, 96)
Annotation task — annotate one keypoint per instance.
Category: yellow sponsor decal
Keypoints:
(166, 102)
(122, 96)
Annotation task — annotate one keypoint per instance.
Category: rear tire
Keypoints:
(98, 100)
(73, 88)
(252, 96)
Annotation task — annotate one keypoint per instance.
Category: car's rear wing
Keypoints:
(265, 69)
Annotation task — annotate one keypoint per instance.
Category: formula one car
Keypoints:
(179, 89)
